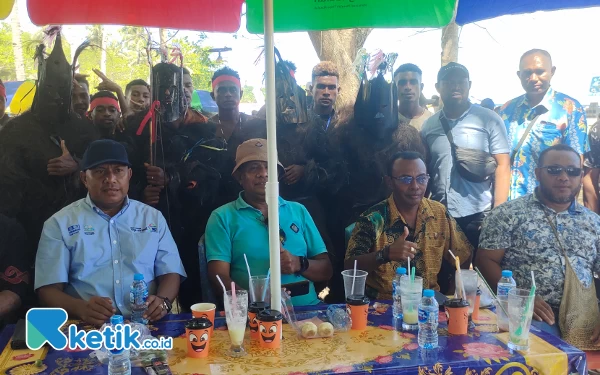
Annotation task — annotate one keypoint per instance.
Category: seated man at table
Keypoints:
(241, 227)
(519, 236)
(406, 225)
(90, 250)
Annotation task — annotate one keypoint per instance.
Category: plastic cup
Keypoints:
(236, 314)
(457, 311)
(501, 318)
(359, 282)
(253, 309)
(520, 312)
(270, 329)
(259, 289)
(358, 308)
(470, 280)
(198, 333)
(204, 310)
(410, 296)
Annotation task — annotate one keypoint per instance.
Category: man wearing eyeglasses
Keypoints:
(519, 235)
(405, 226)
(461, 125)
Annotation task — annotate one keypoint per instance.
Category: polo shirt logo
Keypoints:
(294, 227)
(88, 230)
(73, 229)
(138, 230)
(153, 228)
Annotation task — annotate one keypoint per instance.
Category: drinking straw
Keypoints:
(459, 282)
(490, 290)
(451, 253)
(225, 299)
(408, 268)
(530, 299)
(264, 295)
(413, 275)
(250, 279)
(233, 298)
(354, 278)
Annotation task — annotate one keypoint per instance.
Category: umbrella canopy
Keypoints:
(204, 15)
(5, 8)
(477, 10)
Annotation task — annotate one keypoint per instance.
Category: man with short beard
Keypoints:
(80, 95)
(519, 235)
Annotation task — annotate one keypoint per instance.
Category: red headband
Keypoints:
(293, 74)
(3, 91)
(226, 78)
(105, 102)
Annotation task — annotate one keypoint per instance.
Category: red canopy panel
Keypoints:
(202, 15)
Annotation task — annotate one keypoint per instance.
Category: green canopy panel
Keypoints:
(314, 15)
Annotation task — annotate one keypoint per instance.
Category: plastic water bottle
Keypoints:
(138, 295)
(505, 285)
(118, 360)
(428, 320)
(397, 309)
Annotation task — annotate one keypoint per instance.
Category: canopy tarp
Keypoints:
(295, 15)
(5, 8)
(205, 15)
(470, 11)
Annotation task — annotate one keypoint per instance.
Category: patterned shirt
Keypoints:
(562, 120)
(520, 228)
(592, 157)
(435, 233)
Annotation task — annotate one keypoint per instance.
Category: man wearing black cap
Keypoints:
(463, 129)
(90, 251)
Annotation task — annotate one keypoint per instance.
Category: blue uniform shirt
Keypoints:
(237, 228)
(96, 255)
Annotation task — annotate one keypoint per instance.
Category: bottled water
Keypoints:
(428, 320)
(505, 285)
(138, 296)
(118, 360)
(397, 309)
(339, 318)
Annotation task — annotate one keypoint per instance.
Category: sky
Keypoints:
(489, 49)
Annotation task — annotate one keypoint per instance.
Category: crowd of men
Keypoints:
(136, 181)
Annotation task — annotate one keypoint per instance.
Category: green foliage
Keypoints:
(7, 59)
(196, 58)
(248, 96)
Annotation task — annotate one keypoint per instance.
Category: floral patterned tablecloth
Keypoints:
(380, 349)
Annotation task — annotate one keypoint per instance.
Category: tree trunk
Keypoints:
(17, 45)
(162, 34)
(104, 46)
(450, 36)
(341, 47)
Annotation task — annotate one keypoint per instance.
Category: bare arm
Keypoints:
(95, 311)
(590, 189)
(366, 262)
(502, 179)
(488, 262)
(168, 286)
(222, 269)
(319, 268)
(9, 302)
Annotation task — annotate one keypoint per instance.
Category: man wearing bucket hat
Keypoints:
(468, 153)
(241, 227)
(113, 235)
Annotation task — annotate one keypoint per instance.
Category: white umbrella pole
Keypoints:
(272, 184)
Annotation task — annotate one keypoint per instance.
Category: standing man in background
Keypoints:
(408, 78)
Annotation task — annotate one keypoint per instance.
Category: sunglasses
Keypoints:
(282, 235)
(556, 171)
(407, 180)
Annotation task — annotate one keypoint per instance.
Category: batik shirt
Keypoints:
(435, 232)
(520, 228)
(562, 120)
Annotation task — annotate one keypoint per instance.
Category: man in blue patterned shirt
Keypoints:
(517, 235)
(560, 120)
(90, 250)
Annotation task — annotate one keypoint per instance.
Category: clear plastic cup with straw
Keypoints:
(259, 288)
(520, 312)
(354, 281)
(236, 312)
(411, 291)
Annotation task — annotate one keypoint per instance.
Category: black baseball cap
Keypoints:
(104, 151)
(451, 67)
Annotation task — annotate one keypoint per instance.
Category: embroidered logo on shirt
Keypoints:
(294, 227)
(73, 229)
(89, 230)
(153, 228)
(138, 230)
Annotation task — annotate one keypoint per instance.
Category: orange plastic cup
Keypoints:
(457, 311)
(198, 332)
(270, 329)
(253, 309)
(358, 307)
(205, 310)
(475, 314)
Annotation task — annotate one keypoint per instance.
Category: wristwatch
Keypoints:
(382, 256)
(303, 265)
(166, 305)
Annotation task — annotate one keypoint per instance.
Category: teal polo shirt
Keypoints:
(237, 228)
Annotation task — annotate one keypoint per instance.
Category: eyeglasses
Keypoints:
(556, 171)
(407, 180)
(282, 235)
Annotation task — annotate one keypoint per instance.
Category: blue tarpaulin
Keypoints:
(476, 10)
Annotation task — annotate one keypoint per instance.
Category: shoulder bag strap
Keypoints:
(525, 135)
(555, 232)
(446, 127)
